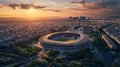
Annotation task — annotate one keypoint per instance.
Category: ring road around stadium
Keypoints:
(66, 41)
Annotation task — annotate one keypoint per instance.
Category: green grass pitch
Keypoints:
(64, 39)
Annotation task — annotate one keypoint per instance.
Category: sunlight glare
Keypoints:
(32, 10)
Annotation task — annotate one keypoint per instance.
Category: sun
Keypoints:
(32, 10)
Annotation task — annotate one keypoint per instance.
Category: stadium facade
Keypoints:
(64, 41)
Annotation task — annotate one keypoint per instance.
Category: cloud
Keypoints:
(54, 10)
(25, 6)
(102, 5)
(77, 9)
(103, 8)
(98, 5)
(79, 2)
(28, 6)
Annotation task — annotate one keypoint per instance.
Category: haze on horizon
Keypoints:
(59, 8)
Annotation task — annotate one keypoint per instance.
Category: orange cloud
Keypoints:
(25, 6)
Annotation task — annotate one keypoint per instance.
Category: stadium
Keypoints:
(64, 41)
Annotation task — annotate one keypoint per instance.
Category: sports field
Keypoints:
(64, 39)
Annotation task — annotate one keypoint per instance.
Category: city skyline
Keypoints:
(59, 33)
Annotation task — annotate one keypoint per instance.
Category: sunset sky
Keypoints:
(59, 8)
